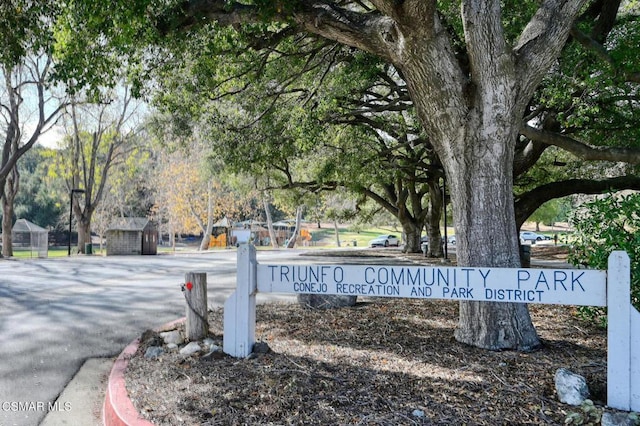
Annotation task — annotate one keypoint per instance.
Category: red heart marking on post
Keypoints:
(189, 286)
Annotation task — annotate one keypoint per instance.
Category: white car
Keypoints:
(384, 241)
(532, 236)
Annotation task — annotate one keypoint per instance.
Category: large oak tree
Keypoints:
(471, 78)
(470, 107)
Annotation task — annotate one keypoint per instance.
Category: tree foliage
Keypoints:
(41, 200)
(602, 226)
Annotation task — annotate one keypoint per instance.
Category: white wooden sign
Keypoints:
(584, 287)
(552, 286)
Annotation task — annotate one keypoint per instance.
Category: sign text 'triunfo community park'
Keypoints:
(550, 286)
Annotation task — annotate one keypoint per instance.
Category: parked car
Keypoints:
(424, 242)
(532, 236)
(384, 241)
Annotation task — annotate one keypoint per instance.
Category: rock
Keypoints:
(326, 301)
(209, 341)
(261, 348)
(190, 349)
(172, 346)
(610, 418)
(418, 413)
(150, 338)
(174, 337)
(153, 352)
(571, 388)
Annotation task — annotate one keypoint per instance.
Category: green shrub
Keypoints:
(602, 226)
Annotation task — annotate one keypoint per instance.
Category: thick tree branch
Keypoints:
(603, 13)
(362, 30)
(582, 150)
(486, 46)
(542, 40)
(527, 203)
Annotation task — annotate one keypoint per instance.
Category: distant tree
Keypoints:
(100, 136)
(546, 214)
(41, 200)
(27, 109)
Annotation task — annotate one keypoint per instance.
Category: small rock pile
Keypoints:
(572, 389)
(155, 344)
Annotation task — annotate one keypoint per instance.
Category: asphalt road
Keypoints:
(56, 313)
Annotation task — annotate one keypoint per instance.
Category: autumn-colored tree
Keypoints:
(193, 191)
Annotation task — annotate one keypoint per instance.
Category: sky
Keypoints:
(49, 139)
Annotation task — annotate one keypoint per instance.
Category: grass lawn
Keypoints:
(53, 252)
(326, 236)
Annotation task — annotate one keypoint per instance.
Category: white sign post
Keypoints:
(580, 287)
(623, 337)
(240, 308)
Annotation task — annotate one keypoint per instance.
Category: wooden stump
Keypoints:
(195, 294)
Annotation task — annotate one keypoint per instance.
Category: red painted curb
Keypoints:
(118, 410)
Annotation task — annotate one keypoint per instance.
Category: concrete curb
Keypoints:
(118, 410)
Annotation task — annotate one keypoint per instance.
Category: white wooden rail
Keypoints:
(582, 287)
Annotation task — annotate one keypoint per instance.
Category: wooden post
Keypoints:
(195, 294)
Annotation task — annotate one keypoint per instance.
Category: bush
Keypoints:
(602, 226)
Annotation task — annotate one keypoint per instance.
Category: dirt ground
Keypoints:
(382, 362)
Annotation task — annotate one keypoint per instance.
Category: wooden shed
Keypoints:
(132, 236)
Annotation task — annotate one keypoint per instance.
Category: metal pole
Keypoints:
(444, 207)
(73, 191)
(70, 216)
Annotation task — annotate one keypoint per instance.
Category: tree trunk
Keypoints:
(473, 125)
(411, 231)
(267, 212)
(84, 233)
(296, 231)
(496, 326)
(204, 243)
(12, 184)
(482, 196)
(335, 227)
(7, 223)
(206, 237)
(433, 221)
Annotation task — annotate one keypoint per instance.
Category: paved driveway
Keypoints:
(56, 313)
